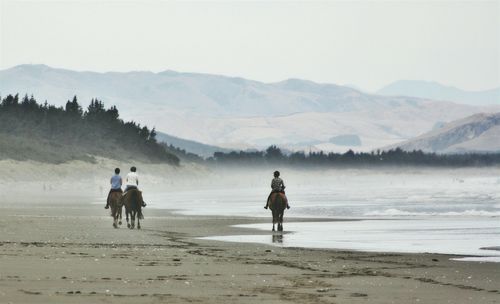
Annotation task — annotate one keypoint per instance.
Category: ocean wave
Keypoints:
(397, 212)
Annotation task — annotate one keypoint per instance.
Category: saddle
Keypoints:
(132, 189)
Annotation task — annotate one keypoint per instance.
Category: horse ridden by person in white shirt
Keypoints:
(132, 199)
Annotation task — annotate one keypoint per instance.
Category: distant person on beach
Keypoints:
(132, 182)
(116, 185)
(277, 186)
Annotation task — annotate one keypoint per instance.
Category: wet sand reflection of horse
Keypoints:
(115, 202)
(132, 200)
(277, 204)
(277, 238)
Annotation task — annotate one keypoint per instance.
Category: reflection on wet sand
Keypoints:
(277, 238)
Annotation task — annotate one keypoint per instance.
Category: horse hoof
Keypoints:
(273, 229)
(120, 223)
(128, 225)
(138, 227)
(114, 225)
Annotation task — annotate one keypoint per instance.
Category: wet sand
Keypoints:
(52, 251)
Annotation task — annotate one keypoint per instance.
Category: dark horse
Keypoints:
(115, 201)
(277, 204)
(132, 200)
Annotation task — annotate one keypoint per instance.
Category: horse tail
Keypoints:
(137, 203)
(133, 199)
(275, 201)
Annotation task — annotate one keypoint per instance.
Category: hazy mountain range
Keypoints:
(476, 133)
(437, 91)
(239, 113)
(191, 146)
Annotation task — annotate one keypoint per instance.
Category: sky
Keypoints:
(367, 44)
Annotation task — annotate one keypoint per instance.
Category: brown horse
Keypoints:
(115, 201)
(277, 204)
(132, 200)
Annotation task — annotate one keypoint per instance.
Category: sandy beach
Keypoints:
(53, 251)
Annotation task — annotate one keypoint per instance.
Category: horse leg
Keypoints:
(139, 218)
(114, 219)
(132, 218)
(126, 215)
(117, 214)
(120, 215)
(113, 213)
(274, 221)
(280, 220)
(280, 228)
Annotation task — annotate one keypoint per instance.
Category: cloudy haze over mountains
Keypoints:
(437, 91)
(240, 113)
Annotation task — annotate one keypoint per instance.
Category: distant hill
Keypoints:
(190, 146)
(237, 113)
(476, 133)
(437, 91)
(194, 92)
(43, 132)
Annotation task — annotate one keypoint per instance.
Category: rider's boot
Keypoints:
(267, 202)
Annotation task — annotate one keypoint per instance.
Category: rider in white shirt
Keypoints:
(132, 181)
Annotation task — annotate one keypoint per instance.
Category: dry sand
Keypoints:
(64, 250)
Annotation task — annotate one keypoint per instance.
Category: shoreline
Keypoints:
(258, 230)
(238, 220)
(62, 252)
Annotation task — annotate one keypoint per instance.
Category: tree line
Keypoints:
(95, 130)
(71, 132)
(395, 157)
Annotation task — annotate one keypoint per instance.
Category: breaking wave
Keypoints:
(397, 212)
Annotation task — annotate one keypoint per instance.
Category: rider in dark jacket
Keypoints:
(277, 186)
